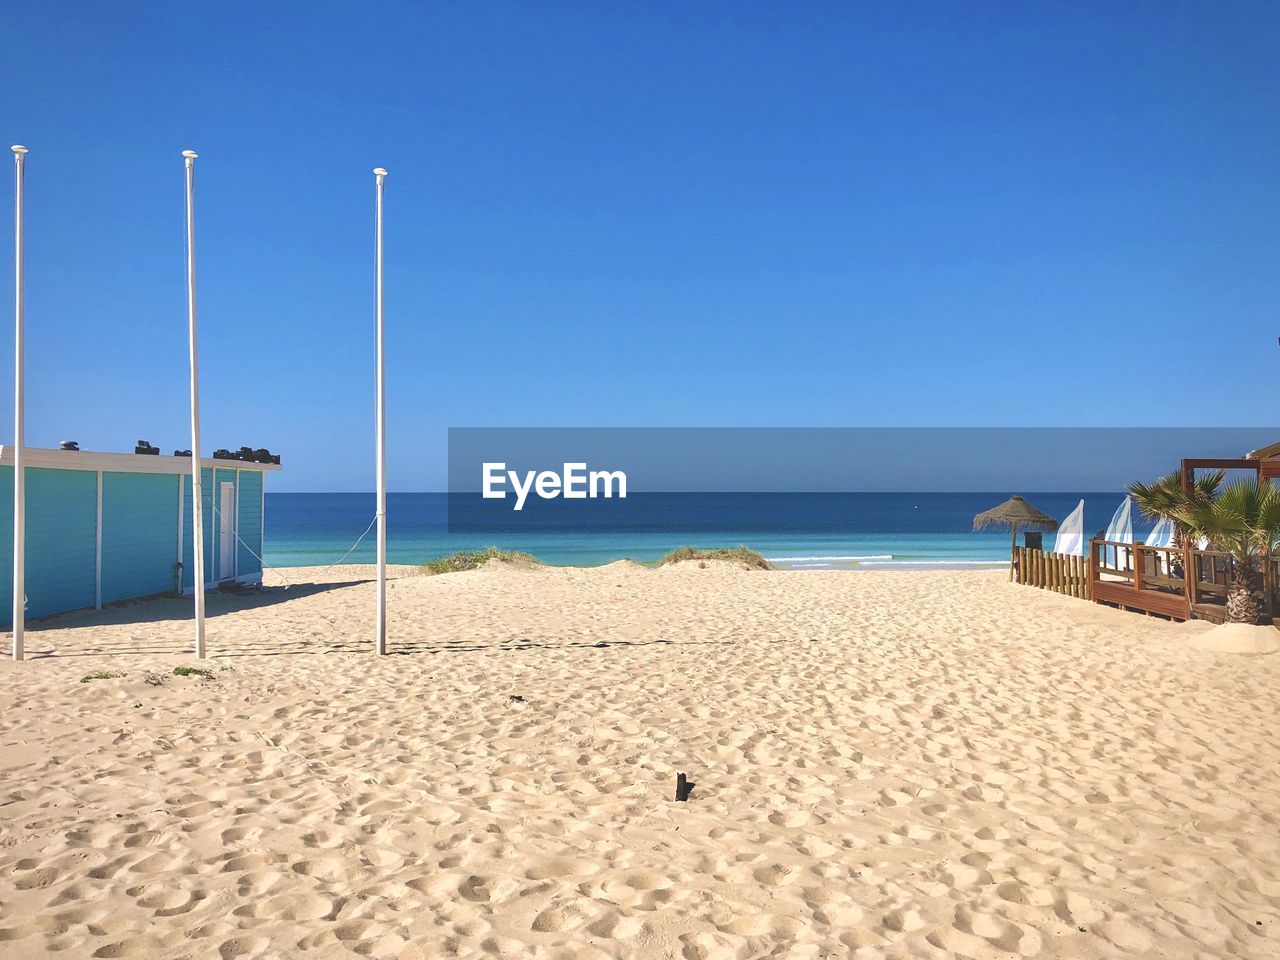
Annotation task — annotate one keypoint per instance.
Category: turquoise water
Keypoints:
(801, 531)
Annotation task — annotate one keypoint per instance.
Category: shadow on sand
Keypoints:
(162, 626)
(161, 615)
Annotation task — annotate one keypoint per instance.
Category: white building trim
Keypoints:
(122, 462)
(181, 510)
(262, 524)
(235, 529)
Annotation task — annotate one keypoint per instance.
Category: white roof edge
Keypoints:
(122, 462)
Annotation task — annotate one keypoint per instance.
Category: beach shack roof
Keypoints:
(1266, 453)
(122, 462)
(1265, 462)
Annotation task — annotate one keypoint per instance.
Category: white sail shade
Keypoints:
(1070, 539)
(1162, 534)
(1120, 530)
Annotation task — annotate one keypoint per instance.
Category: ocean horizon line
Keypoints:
(724, 493)
(863, 529)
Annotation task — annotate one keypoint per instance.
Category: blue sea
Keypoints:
(794, 530)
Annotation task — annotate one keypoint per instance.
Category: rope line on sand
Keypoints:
(288, 582)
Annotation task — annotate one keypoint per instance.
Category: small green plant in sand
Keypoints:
(472, 559)
(193, 672)
(101, 675)
(740, 555)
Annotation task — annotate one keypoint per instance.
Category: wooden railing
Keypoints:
(1213, 570)
(1052, 571)
(1137, 577)
(1154, 579)
(1149, 568)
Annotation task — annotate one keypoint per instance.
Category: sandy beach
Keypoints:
(887, 764)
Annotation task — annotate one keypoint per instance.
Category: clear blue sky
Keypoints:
(643, 214)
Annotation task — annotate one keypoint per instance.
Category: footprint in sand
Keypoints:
(558, 918)
(763, 924)
(775, 875)
(35, 926)
(244, 945)
(554, 869)
(614, 926)
(35, 879)
(330, 868)
(793, 818)
(475, 889)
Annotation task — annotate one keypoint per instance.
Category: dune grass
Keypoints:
(193, 672)
(100, 675)
(742, 555)
(473, 559)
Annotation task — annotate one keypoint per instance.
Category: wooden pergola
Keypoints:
(1265, 463)
(1181, 582)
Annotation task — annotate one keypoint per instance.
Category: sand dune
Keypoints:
(887, 764)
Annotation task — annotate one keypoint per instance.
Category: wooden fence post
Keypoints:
(1191, 572)
(1061, 573)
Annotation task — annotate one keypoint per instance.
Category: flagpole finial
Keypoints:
(190, 154)
(18, 149)
(380, 171)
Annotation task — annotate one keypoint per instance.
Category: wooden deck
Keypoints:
(1144, 601)
(1153, 580)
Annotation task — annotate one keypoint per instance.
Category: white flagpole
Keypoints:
(380, 417)
(19, 420)
(197, 512)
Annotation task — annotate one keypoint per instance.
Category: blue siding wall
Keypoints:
(139, 534)
(206, 499)
(62, 540)
(62, 537)
(6, 546)
(250, 521)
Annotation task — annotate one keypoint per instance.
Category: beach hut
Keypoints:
(1016, 514)
(105, 527)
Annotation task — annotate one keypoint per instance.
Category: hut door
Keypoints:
(226, 531)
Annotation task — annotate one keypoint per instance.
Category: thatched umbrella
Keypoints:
(1016, 514)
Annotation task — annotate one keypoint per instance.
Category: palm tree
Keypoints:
(1244, 521)
(1166, 499)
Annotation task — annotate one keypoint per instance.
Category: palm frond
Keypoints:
(1243, 519)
